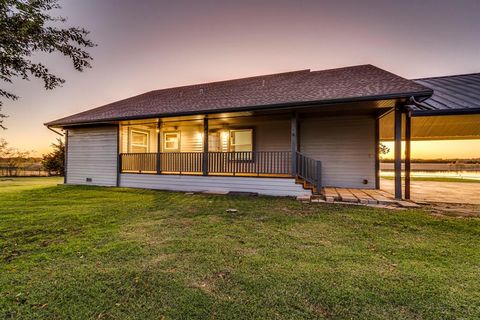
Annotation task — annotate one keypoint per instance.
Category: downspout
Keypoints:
(413, 101)
(59, 133)
(65, 152)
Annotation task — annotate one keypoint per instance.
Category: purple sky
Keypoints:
(146, 45)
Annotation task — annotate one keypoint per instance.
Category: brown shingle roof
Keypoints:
(268, 91)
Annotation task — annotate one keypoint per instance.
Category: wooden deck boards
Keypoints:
(331, 194)
(362, 196)
(346, 195)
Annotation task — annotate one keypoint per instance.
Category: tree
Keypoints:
(54, 161)
(27, 28)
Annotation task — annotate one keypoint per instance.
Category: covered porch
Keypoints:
(230, 145)
(332, 146)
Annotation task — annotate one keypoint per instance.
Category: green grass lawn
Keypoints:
(70, 252)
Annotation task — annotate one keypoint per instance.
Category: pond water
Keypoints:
(471, 175)
(437, 170)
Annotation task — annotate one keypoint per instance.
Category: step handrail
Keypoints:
(309, 169)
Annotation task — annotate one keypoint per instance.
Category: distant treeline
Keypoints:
(447, 161)
(23, 167)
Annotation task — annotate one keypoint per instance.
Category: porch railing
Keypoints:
(232, 163)
(181, 162)
(309, 170)
(256, 163)
(138, 162)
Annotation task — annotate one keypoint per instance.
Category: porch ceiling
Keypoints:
(338, 109)
(453, 127)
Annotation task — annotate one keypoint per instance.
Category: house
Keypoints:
(286, 134)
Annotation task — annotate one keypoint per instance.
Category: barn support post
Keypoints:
(377, 153)
(408, 151)
(398, 153)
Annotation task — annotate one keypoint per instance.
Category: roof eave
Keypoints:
(445, 112)
(417, 94)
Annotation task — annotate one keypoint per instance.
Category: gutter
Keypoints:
(59, 133)
(418, 104)
(445, 112)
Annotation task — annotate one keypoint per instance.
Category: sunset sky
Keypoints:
(146, 45)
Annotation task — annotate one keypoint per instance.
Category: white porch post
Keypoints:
(159, 147)
(205, 146)
(294, 141)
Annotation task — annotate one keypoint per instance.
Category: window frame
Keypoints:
(130, 140)
(231, 146)
(164, 144)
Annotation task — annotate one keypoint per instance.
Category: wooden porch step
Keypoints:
(307, 185)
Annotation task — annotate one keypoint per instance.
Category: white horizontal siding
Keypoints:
(346, 147)
(272, 135)
(92, 153)
(265, 186)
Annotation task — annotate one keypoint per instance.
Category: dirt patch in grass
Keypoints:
(455, 210)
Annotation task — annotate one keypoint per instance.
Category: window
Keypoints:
(171, 141)
(241, 140)
(139, 141)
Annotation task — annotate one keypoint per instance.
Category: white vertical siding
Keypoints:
(346, 147)
(92, 153)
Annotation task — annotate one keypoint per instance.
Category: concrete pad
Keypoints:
(436, 191)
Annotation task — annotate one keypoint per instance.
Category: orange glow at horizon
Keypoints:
(439, 149)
